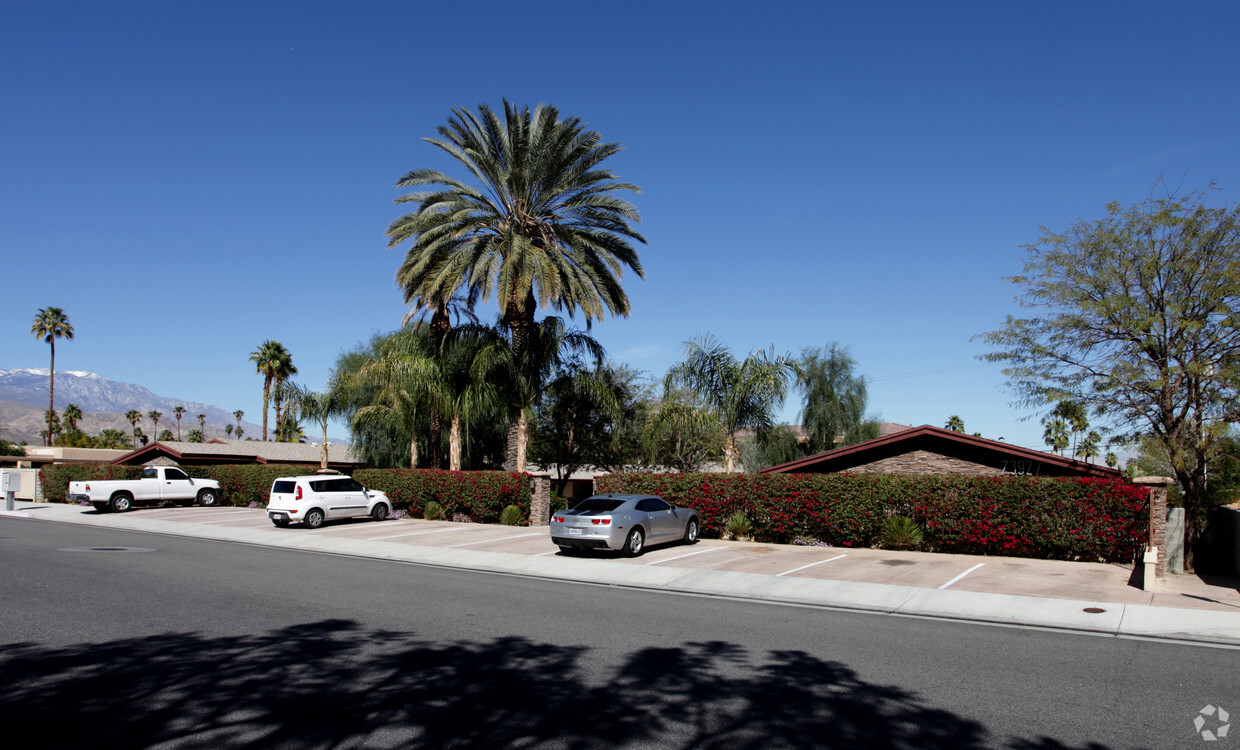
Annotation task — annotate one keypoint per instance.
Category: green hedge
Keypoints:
(481, 495)
(1060, 519)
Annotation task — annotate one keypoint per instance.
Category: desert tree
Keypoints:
(1136, 315)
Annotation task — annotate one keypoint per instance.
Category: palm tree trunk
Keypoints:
(323, 456)
(413, 450)
(436, 434)
(266, 402)
(51, 391)
(523, 439)
(730, 454)
(519, 322)
(454, 444)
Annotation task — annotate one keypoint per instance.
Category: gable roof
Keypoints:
(938, 440)
(241, 452)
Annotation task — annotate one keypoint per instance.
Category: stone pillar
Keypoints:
(1156, 550)
(540, 499)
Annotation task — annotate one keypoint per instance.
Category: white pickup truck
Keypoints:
(158, 484)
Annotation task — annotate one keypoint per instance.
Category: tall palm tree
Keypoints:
(238, 414)
(541, 225)
(154, 416)
(134, 416)
(178, 412)
(51, 323)
(202, 424)
(273, 362)
(228, 430)
(743, 392)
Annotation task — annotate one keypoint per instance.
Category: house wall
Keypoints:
(922, 462)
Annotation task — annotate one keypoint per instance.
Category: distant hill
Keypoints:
(23, 400)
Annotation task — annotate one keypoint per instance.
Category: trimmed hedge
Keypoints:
(480, 495)
(1042, 517)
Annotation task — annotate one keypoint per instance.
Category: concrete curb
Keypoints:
(1106, 618)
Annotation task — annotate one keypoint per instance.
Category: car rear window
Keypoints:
(598, 504)
(284, 485)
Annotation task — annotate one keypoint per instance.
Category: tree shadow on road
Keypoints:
(336, 684)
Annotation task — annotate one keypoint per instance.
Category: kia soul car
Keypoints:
(314, 499)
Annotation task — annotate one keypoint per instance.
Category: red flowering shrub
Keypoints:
(1064, 519)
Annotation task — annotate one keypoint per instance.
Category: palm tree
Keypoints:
(742, 392)
(134, 416)
(195, 436)
(1090, 447)
(521, 375)
(274, 363)
(1056, 435)
(321, 406)
(408, 385)
(238, 414)
(178, 412)
(154, 416)
(110, 438)
(954, 423)
(51, 323)
(228, 430)
(542, 227)
(239, 432)
(73, 414)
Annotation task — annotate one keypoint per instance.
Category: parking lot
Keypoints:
(1001, 575)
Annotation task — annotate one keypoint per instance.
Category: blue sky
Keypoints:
(188, 179)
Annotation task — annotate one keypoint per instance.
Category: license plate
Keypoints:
(280, 516)
(574, 531)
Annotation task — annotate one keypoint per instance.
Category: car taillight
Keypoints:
(601, 521)
(299, 492)
(559, 519)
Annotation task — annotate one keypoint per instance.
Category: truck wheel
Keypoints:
(121, 502)
(208, 498)
(313, 519)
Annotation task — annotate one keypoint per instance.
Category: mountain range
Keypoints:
(23, 401)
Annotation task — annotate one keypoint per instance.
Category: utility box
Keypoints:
(10, 481)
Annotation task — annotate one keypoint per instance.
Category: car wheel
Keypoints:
(313, 519)
(633, 545)
(691, 531)
(208, 498)
(279, 523)
(121, 502)
(380, 512)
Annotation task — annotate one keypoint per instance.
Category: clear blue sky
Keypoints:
(187, 179)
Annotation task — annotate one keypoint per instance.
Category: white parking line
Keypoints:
(803, 567)
(690, 554)
(484, 541)
(962, 575)
(414, 533)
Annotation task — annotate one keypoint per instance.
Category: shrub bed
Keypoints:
(482, 496)
(1051, 518)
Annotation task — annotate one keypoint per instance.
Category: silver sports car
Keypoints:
(623, 522)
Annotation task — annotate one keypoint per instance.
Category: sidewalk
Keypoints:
(1088, 597)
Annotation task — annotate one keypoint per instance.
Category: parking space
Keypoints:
(1042, 578)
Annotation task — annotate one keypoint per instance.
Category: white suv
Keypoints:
(316, 498)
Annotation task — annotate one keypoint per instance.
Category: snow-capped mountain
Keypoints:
(103, 401)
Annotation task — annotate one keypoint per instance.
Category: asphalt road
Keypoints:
(193, 643)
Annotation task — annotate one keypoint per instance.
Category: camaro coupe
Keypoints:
(623, 522)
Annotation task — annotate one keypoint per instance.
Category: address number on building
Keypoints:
(1022, 468)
